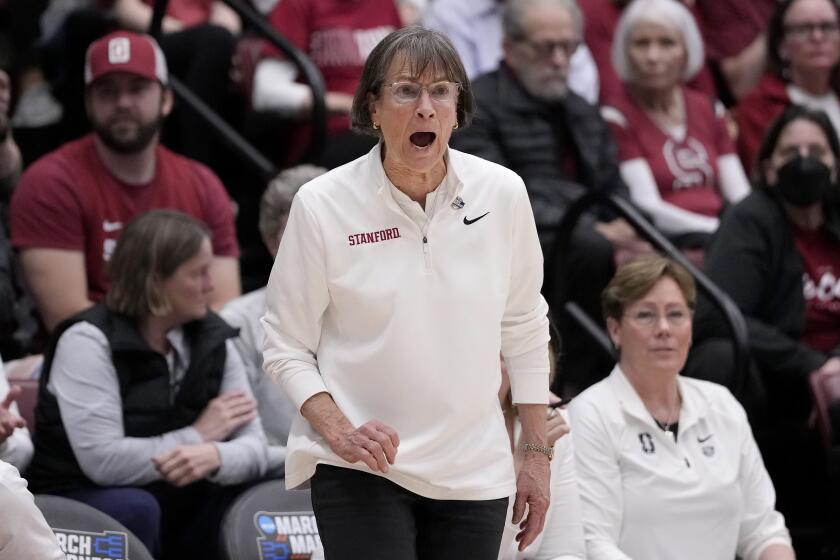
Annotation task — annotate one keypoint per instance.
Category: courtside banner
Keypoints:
(287, 535)
(83, 545)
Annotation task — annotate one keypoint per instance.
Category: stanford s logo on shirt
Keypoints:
(689, 163)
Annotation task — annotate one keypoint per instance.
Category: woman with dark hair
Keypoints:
(144, 408)
(398, 279)
(777, 255)
(803, 61)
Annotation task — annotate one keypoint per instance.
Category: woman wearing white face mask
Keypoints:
(777, 255)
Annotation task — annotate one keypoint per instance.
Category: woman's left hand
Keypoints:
(187, 463)
(532, 488)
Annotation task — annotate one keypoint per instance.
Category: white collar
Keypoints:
(451, 183)
(694, 404)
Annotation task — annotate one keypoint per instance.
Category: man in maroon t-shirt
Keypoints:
(71, 205)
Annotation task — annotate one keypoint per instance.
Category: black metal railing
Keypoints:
(236, 141)
(557, 255)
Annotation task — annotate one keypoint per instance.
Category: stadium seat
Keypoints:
(83, 531)
(825, 390)
(27, 400)
(269, 522)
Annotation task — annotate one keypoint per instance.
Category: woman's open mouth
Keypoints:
(422, 139)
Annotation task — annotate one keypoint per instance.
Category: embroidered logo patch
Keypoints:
(373, 236)
(119, 50)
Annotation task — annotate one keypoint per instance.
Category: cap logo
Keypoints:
(119, 50)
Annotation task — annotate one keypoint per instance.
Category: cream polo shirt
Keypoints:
(408, 332)
(706, 496)
(24, 533)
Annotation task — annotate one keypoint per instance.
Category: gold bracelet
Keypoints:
(546, 450)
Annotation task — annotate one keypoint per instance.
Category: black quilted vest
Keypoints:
(143, 374)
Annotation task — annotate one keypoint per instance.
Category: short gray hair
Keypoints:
(669, 13)
(513, 14)
(423, 49)
(276, 202)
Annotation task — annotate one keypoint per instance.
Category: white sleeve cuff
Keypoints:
(275, 88)
(528, 374)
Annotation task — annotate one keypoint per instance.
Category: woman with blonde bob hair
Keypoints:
(144, 409)
(667, 465)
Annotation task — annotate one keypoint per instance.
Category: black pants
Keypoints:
(361, 515)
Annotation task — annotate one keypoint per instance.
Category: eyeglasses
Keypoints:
(802, 31)
(409, 92)
(545, 49)
(649, 319)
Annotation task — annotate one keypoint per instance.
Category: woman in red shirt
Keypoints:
(677, 156)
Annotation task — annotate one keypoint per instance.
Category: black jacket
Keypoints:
(514, 129)
(753, 258)
(148, 406)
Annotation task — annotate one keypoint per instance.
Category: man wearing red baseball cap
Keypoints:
(71, 205)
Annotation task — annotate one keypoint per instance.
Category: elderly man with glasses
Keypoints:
(529, 120)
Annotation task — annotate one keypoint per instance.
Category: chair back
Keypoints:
(27, 400)
(268, 522)
(86, 532)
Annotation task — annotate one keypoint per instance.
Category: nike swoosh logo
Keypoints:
(705, 439)
(111, 226)
(467, 221)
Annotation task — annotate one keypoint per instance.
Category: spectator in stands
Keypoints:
(677, 156)
(15, 445)
(803, 65)
(667, 465)
(528, 121)
(10, 160)
(736, 40)
(275, 408)
(777, 255)
(601, 20)
(71, 205)
(144, 408)
(475, 28)
(24, 533)
(10, 168)
(406, 272)
(338, 37)
(562, 537)
(198, 39)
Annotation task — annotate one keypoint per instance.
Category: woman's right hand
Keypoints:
(224, 415)
(373, 443)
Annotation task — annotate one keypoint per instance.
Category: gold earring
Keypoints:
(375, 126)
(456, 126)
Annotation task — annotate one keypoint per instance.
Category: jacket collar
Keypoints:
(694, 404)
(451, 181)
(126, 335)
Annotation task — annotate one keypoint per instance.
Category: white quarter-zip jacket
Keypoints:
(705, 496)
(402, 321)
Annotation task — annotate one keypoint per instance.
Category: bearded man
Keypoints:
(71, 205)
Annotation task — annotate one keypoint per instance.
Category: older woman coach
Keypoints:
(390, 348)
